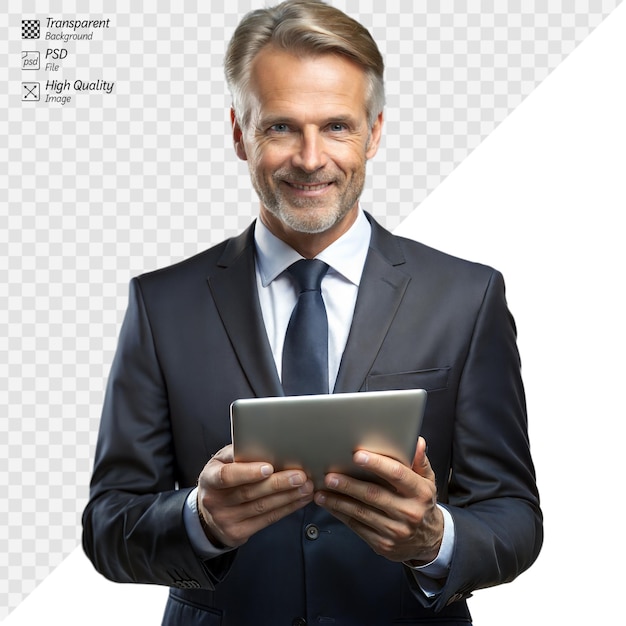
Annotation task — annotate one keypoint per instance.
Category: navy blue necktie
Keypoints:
(305, 353)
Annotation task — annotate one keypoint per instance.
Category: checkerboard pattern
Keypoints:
(104, 187)
(30, 29)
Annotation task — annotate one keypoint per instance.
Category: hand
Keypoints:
(401, 525)
(237, 500)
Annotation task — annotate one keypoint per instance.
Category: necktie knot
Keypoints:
(308, 274)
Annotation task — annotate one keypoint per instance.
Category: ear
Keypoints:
(240, 149)
(374, 138)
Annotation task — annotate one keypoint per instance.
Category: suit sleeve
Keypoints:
(133, 529)
(492, 493)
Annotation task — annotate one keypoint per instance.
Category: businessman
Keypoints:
(245, 543)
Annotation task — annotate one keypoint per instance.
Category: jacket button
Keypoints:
(312, 532)
(298, 621)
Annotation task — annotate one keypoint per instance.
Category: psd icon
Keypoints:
(30, 29)
(31, 60)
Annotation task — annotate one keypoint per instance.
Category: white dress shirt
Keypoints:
(277, 296)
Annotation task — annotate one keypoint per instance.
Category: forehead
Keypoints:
(327, 84)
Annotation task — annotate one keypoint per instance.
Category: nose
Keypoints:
(310, 155)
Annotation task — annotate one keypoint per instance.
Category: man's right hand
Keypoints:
(237, 500)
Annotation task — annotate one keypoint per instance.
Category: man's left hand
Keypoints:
(401, 525)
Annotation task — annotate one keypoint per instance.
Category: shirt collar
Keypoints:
(345, 256)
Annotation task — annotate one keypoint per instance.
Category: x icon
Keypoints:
(31, 91)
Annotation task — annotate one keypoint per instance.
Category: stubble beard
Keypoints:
(308, 215)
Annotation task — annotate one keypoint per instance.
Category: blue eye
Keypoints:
(279, 128)
(337, 127)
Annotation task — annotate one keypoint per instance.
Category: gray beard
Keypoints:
(306, 215)
(307, 221)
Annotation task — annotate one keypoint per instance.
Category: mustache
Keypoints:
(298, 178)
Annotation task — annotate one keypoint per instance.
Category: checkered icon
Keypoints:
(30, 29)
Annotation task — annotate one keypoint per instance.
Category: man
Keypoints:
(253, 545)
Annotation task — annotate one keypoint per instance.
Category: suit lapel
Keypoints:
(381, 290)
(234, 290)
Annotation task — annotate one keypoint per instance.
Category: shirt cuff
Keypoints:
(429, 577)
(199, 541)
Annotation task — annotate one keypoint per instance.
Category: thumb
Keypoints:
(421, 464)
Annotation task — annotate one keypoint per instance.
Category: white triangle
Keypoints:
(543, 199)
(74, 594)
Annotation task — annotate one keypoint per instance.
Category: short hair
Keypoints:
(309, 27)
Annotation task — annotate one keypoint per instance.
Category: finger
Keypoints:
(394, 526)
(402, 482)
(399, 477)
(281, 482)
(225, 455)
(221, 472)
(355, 512)
(371, 504)
(234, 515)
(362, 492)
(382, 542)
(275, 501)
(380, 530)
(421, 464)
(395, 539)
(220, 475)
(234, 530)
(232, 484)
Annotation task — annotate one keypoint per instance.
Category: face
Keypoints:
(307, 143)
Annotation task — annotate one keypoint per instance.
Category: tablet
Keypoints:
(320, 433)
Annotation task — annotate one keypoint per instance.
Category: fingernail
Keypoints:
(320, 498)
(332, 483)
(295, 480)
(267, 470)
(361, 457)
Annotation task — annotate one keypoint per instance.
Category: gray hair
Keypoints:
(305, 27)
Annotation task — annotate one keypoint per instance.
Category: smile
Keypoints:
(311, 187)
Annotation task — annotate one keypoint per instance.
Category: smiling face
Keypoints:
(307, 144)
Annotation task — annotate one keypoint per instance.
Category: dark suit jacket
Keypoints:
(193, 341)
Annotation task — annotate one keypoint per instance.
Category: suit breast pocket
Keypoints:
(434, 379)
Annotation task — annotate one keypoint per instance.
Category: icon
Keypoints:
(30, 92)
(30, 60)
(30, 29)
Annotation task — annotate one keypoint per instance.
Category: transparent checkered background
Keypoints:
(108, 186)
